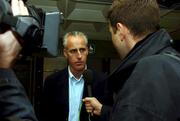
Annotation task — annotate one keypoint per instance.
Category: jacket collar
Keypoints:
(151, 45)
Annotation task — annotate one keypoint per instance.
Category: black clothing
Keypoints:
(14, 103)
(55, 97)
(148, 82)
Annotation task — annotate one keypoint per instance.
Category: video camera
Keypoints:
(39, 31)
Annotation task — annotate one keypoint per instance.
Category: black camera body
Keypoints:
(39, 31)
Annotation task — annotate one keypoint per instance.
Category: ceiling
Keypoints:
(89, 16)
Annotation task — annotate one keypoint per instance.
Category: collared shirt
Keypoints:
(76, 87)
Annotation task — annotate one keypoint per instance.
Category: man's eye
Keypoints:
(73, 51)
(82, 50)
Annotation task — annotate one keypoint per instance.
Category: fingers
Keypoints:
(15, 7)
(9, 48)
(88, 105)
(92, 105)
(87, 99)
(18, 8)
(22, 8)
(9, 42)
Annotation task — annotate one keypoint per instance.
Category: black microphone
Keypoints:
(88, 78)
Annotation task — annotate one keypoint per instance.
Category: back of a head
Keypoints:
(139, 16)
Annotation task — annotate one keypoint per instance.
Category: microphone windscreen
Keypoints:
(88, 76)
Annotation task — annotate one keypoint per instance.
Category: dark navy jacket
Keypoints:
(148, 82)
(55, 97)
(14, 104)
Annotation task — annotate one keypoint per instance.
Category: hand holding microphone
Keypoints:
(88, 78)
(93, 106)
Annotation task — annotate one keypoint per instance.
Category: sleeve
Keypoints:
(105, 113)
(107, 102)
(13, 99)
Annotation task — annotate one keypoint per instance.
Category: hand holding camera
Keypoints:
(18, 8)
(9, 45)
(38, 29)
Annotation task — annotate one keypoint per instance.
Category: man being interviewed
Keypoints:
(63, 91)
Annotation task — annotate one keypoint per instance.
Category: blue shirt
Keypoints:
(76, 87)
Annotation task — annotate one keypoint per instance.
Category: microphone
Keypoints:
(88, 78)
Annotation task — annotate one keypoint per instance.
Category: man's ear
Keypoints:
(121, 30)
(65, 53)
(119, 26)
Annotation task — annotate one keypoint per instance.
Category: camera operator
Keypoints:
(14, 103)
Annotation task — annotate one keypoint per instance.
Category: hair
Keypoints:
(139, 16)
(75, 34)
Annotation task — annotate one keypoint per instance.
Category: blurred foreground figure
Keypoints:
(14, 104)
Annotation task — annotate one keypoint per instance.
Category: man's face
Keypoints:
(114, 37)
(118, 42)
(76, 53)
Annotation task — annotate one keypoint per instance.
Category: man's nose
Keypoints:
(79, 53)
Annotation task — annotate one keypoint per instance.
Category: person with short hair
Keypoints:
(147, 81)
(64, 90)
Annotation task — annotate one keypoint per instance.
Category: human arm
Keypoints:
(9, 43)
(94, 107)
(9, 49)
(145, 96)
(13, 99)
(14, 102)
(102, 97)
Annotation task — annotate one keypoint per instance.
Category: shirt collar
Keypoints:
(72, 76)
